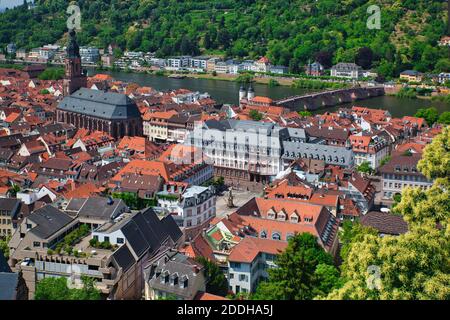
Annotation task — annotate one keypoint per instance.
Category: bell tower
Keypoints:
(75, 77)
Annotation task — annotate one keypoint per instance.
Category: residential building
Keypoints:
(262, 65)
(369, 147)
(281, 219)
(9, 214)
(211, 64)
(89, 55)
(200, 62)
(195, 206)
(178, 62)
(132, 239)
(444, 77)
(249, 261)
(155, 125)
(401, 172)
(179, 126)
(221, 67)
(174, 276)
(314, 69)
(346, 70)
(411, 76)
(278, 69)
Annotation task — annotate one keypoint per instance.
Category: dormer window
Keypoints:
(174, 279)
(271, 214)
(281, 215)
(165, 277)
(184, 282)
(294, 218)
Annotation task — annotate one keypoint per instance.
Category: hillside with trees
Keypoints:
(288, 32)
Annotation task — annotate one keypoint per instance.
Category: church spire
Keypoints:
(72, 50)
(75, 77)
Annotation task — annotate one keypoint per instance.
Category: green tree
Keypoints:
(304, 271)
(52, 289)
(14, 190)
(255, 115)
(429, 114)
(385, 160)
(52, 74)
(365, 168)
(414, 265)
(216, 282)
(305, 113)
(57, 289)
(444, 118)
(352, 232)
(4, 246)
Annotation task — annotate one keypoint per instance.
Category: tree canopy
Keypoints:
(304, 271)
(289, 32)
(57, 289)
(216, 282)
(414, 265)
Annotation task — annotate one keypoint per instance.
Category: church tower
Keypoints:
(75, 77)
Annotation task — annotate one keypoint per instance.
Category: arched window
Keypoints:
(276, 236)
(263, 234)
(289, 236)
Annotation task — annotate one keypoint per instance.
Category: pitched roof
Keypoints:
(385, 223)
(8, 285)
(49, 220)
(99, 208)
(4, 266)
(100, 104)
(208, 296)
(146, 168)
(249, 248)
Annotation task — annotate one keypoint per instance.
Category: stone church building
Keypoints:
(110, 112)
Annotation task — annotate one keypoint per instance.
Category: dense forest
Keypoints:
(289, 32)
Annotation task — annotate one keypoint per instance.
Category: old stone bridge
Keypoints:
(325, 99)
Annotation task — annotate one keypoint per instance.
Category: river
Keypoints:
(228, 92)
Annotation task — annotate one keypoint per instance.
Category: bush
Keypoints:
(68, 250)
(93, 243)
(273, 83)
(105, 245)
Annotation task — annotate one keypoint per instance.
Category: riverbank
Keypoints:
(282, 81)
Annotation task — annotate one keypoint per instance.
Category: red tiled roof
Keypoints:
(249, 248)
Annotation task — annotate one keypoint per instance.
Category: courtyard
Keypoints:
(240, 197)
